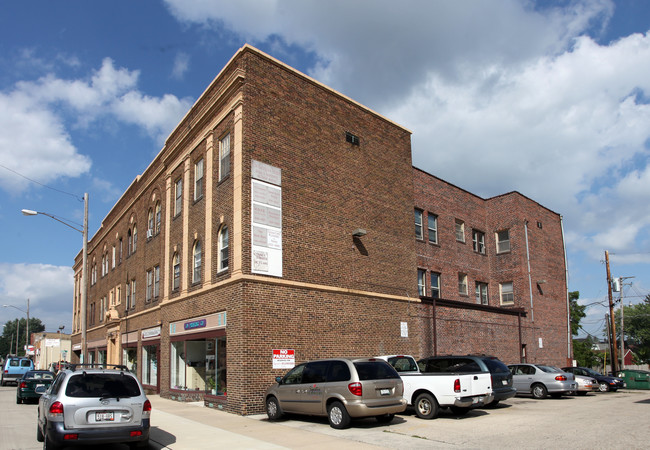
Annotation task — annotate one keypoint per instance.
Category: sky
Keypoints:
(547, 98)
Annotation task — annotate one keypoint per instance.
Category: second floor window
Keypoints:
(223, 249)
(478, 241)
(462, 283)
(149, 293)
(176, 267)
(422, 284)
(198, 180)
(156, 282)
(150, 224)
(196, 273)
(507, 293)
(503, 241)
(435, 285)
(460, 230)
(481, 293)
(158, 216)
(418, 224)
(178, 202)
(432, 226)
(224, 157)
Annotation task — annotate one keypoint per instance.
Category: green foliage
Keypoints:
(577, 312)
(8, 338)
(637, 328)
(584, 355)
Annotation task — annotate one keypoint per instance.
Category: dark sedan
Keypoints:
(33, 384)
(605, 382)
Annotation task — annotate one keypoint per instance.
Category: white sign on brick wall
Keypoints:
(266, 219)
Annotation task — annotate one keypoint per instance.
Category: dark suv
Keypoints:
(502, 387)
(605, 382)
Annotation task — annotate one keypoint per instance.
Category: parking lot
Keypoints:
(599, 420)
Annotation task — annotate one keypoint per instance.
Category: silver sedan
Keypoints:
(540, 380)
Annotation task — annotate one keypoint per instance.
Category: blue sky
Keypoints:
(548, 98)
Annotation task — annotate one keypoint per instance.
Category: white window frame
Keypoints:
(224, 157)
(462, 283)
(503, 245)
(478, 241)
(223, 244)
(507, 293)
(432, 227)
(460, 230)
(198, 179)
(435, 284)
(196, 262)
(419, 234)
(482, 297)
(422, 282)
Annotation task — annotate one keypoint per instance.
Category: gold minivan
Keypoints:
(341, 389)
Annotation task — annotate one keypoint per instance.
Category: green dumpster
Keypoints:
(635, 379)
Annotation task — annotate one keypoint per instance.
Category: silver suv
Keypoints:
(89, 404)
(341, 389)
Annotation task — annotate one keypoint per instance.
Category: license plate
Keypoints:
(104, 417)
(505, 382)
(40, 388)
(384, 391)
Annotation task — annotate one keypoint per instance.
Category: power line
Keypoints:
(41, 184)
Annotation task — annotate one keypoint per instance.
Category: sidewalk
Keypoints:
(177, 425)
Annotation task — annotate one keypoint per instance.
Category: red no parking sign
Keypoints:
(284, 358)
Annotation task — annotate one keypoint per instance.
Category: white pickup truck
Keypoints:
(428, 392)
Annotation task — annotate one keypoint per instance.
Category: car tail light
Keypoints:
(70, 437)
(356, 389)
(56, 408)
(136, 433)
(457, 385)
(560, 378)
(147, 406)
(23, 385)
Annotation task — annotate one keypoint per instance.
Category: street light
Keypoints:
(17, 322)
(84, 270)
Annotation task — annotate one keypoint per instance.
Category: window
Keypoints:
(156, 282)
(422, 284)
(460, 230)
(176, 264)
(435, 285)
(478, 241)
(224, 157)
(103, 266)
(507, 293)
(196, 258)
(113, 259)
(418, 224)
(128, 295)
(481, 293)
(135, 238)
(118, 295)
(132, 294)
(120, 253)
(178, 203)
(503, 241)
(198, 180)
(462, 283)
(149, 293)
(150, 224)
(150, 365)
(432, 225)
(223, 249)
(211, 356)
(158, 216)
(111, 301)
(129, 243)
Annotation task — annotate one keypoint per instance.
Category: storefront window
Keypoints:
(199, 365)
(91, 357)
(150, 365)
(101, 357)
(130, 359)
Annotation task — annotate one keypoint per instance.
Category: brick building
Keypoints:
(278, 216)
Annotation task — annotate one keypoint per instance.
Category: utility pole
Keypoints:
(612, 341)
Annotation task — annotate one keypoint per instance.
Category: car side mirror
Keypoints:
(278, 380)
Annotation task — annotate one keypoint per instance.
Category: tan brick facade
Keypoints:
(338, 295)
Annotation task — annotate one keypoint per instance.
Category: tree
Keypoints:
(8, 338)
(637, 328)
(577, 312)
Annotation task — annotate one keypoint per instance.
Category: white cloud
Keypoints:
(36, 117)
(48, 288)
(181, 65)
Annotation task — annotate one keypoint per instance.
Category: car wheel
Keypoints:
(539, 391)
(385, 418)
(273, 408)
(459, 410)
(18, 400)
(49, 445)
(39, 434)
(426, 407)
(338, 416)
(603, 387)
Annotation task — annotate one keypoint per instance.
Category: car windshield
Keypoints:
(375, 370)
(495, 366)
(102, 385)
(403, 364)
(549, 369)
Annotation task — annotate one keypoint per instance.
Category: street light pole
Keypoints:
(84, 268)
(18, 324)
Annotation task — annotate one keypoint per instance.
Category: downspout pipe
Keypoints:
(530, 280)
